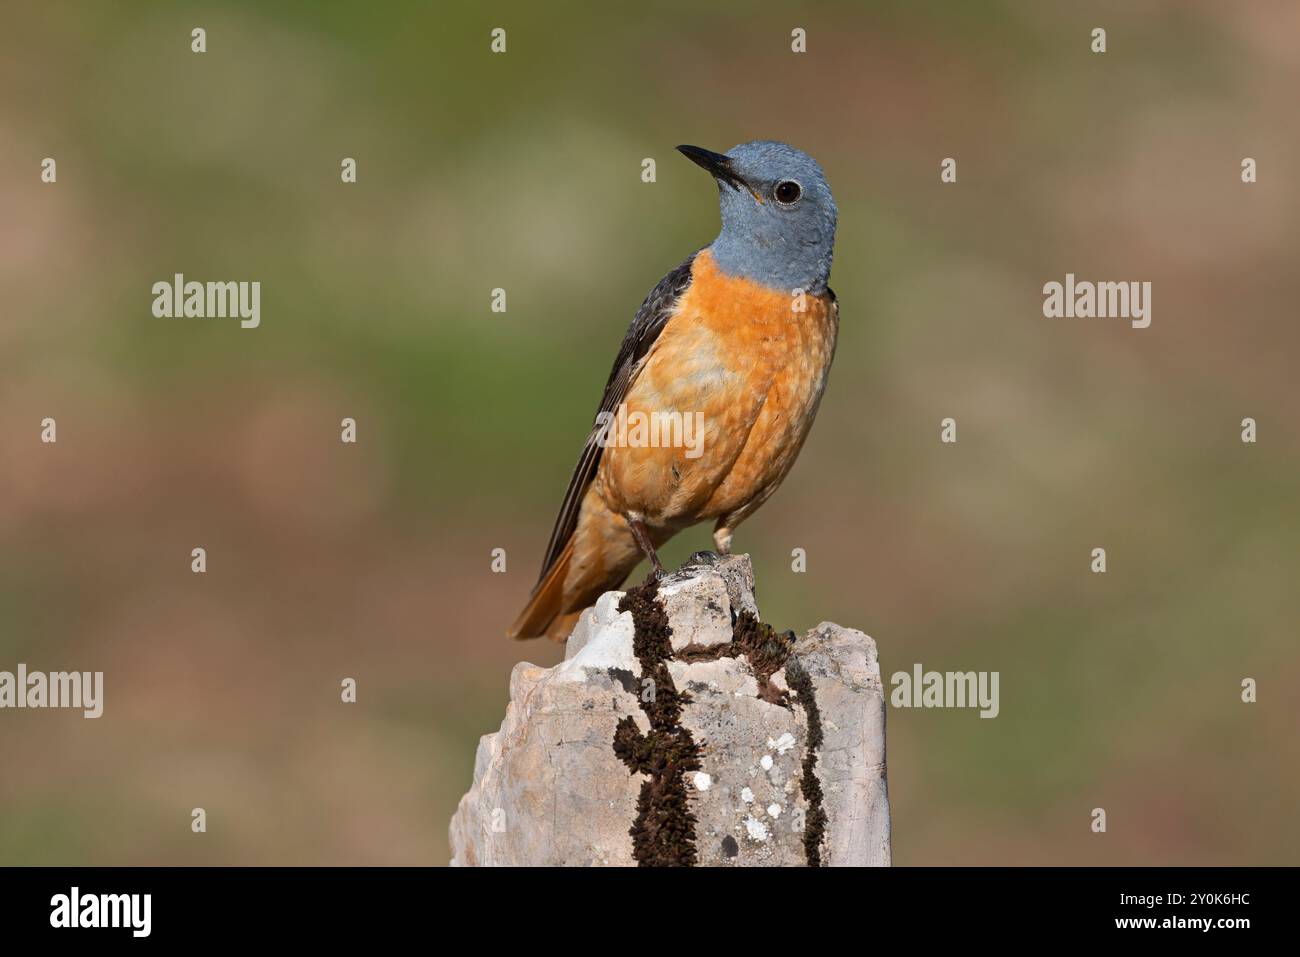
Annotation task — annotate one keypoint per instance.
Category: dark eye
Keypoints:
(788, 192)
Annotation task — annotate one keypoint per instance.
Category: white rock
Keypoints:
(698, 607)
(548, 788)
(600, 617)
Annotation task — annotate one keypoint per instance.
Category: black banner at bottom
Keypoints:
(94, 906)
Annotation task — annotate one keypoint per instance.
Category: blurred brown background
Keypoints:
(522, 171)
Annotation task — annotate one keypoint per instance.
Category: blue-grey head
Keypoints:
(778, 215)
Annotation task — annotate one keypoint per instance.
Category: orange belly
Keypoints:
(728, 393)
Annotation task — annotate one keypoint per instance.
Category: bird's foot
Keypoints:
(643, 540)
(657, 572)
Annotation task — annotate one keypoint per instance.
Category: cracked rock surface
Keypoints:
(549, 788)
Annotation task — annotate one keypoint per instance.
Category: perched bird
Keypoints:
(738, 338)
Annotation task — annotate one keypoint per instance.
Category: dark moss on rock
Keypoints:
(801, 684)
(663, 834)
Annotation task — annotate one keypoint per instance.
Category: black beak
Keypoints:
(719, 165)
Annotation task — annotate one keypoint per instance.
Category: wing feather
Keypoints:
(650, 320)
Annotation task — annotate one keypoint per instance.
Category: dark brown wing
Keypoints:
(649, 322)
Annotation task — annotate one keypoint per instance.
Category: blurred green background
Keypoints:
(522, 171)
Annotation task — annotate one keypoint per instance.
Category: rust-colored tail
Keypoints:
(544, 614)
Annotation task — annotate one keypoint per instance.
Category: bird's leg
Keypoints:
(642, 537)
(722, 538)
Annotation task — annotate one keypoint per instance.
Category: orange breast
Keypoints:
(741, 367)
